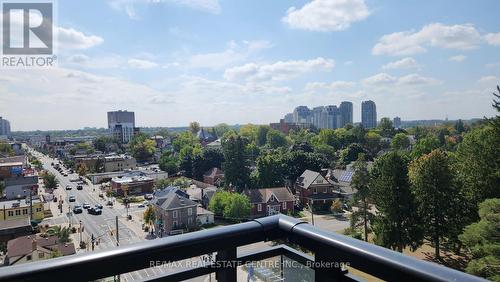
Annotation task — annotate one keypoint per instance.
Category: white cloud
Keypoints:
(489, 80)
(281, 70)
(492, 65)
(493, 38)
(130, 6)
(69, 38)
(334, 86)
(458, 58)
(326, 15)
(234, 53)
(460, 37)
(405, 63)
(384, 79)
(141, 64)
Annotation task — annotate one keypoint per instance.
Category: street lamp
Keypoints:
(80, 232)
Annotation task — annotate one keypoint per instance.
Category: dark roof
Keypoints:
(24, 245)
(195, 193)
(172, 201)
(14, 223)
(169, 189)
(263, 195)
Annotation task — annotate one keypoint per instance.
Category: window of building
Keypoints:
(28, 257)
(25, 211)
(11, 213)
(190, 211)
(190, 220)
(41, 255)
(174, 215)
(315, 191)
(18, 212)
(174, 224)
(284, 205)
(38, 209)
(259, 207)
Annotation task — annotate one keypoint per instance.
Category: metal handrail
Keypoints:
(374, 260)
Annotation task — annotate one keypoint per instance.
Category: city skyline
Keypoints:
(214, 68)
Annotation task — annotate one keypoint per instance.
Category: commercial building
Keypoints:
(121, 124)
(345, 113)
(20, 209)
(134, 185)
(368, 114)
(10, 169)
(107, 163)
(21, 187)
(4, 127)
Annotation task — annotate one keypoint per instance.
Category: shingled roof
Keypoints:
(282, 194)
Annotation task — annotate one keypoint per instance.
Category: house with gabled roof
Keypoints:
(173, 213)
(270, 201)
(314, 188)
(34, 248)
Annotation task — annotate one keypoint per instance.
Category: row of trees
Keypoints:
(433, 192)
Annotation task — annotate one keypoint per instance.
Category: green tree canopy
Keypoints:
(276, 139)
(236, 163)
(400, 142)
(424, 146)
(141, 147)
(396, 224)
(360, 182)
(483, 241)
(169, 163)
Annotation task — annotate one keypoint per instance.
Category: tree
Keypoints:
(236, 165)
(270, 169)
(385, 127)
(104, 143)
(276, 139)
(49, 180)
(478, 165)
(482, 240)
(221, 129)
(296, 162)
(6, 149)
(396, 224)
(219, 202)
(169, 163)
(459, 126)
(209, 158)
(2, 187)
(194, 127)
(326, 137)
(141, 147)
(62, 233)
(249, 131)
(360, 182)
(238, 207)
(82, 169)
(438, 197)
(149, 215)
(424, 146)
(400, 142)
(336, 206)
(99, 165)
(351, 153)
(262, 134)
(372, 142)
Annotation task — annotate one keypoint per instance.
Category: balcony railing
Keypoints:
(328, 249)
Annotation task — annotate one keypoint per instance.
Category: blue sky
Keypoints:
(176, 61)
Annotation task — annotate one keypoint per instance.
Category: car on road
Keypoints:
(77, 209)
(65, 174)
(99, 206)
(109, 203)
(86, 206)
(79, 187)
(94, 211)
(72, 198)
(148, 197)
(74, 179)
(68, 187)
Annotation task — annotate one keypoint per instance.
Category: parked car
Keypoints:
(79, 187)
(86, 206)
(99, 206)
(68, 187)
(94, 211)
(148, 197)
(77, 209)
(72, 198)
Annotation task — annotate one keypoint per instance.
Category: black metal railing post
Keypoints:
(226, 262)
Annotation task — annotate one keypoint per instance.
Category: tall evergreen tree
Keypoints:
(438, 197)
(360, 181)
(396, 224)
(236, 165)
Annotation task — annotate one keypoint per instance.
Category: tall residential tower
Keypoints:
(121, 124)
(368, 114)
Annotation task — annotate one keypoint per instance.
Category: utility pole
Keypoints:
(117, 237)
(312, 212)
(93, 241)
(80, 232)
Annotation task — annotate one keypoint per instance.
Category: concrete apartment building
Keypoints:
(368, 114)
(396, 122)
(331, 116)
(346, 113)
(4, 128)
(121, 124)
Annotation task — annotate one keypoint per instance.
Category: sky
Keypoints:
(253, 61)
